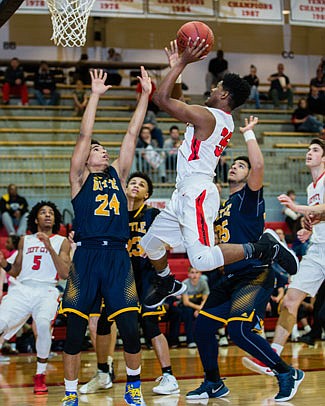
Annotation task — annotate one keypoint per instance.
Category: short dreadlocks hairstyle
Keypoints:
(144, 176)
(32, 226)
(238, 88)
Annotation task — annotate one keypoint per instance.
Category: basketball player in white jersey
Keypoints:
(194, 204)
(42, 258)
(311, 273)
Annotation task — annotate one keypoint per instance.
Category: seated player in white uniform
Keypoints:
(42, 258)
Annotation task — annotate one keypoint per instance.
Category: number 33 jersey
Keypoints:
(100, 209)
(197, 157)
(37, 263)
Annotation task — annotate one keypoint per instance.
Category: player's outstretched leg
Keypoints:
(269, 248)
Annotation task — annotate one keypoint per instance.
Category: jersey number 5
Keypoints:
(37, 262)
(105, 206)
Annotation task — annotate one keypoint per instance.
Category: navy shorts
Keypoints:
(100, 272)
(240, 297)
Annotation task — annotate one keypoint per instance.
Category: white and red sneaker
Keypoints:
(40, 387)
(257, 366)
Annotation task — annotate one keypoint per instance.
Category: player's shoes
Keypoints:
(288, 384)
(163, 288)
(40, 387)
(133, 395)
(257, 366)
(100, 381)
(167, 385)
(70, 399)
(269, 248)
(307, 339)
(208, 390)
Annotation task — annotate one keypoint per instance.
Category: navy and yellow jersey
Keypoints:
(100, 209)
(241, 220)
(139, 222)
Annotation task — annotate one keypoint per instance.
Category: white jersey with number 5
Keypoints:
(197, 157)
(37, 263)
(315, 196)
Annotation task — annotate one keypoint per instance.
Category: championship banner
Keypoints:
(101, 8)
(110, 7)
(33, 7)
(252, 12)
(182, 8)
(307, 12)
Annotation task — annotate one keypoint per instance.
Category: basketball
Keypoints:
(194, 29)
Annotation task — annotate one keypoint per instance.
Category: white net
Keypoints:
(69, 20)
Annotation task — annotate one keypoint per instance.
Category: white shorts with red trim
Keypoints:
(311, 273)
(23, 301)
(190, 214)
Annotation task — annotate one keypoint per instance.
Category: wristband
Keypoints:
(179, 79)
(8, 267)
(249, 135)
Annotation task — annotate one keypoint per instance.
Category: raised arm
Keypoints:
(124, 162)
(255, 156)
(199, 116)
(78, 169)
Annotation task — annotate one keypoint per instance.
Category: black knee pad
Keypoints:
(76, 330)
(150, 327)
(127, 324)
(103, 325)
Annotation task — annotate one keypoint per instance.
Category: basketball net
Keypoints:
(69, 20)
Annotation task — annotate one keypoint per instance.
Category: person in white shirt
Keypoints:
(43, 257)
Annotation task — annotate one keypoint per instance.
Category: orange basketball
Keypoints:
(194, 29)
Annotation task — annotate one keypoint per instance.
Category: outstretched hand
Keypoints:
(145, 81)
(286, 201)
(249, 124)
(98, 78)
(194, 51)
(172, 53)
(303, 235)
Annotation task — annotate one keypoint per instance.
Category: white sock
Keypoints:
(164, 272)
(222, 331)
(133, 372)
(70, 386)
(109, 360)
(41, 368)
(307, 328)
(277, 348)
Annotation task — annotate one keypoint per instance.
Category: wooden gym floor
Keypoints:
(246, 388)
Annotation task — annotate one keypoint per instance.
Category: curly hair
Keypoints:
(238, 88)
(32, 226)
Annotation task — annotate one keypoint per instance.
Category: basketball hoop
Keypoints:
(69, 20)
